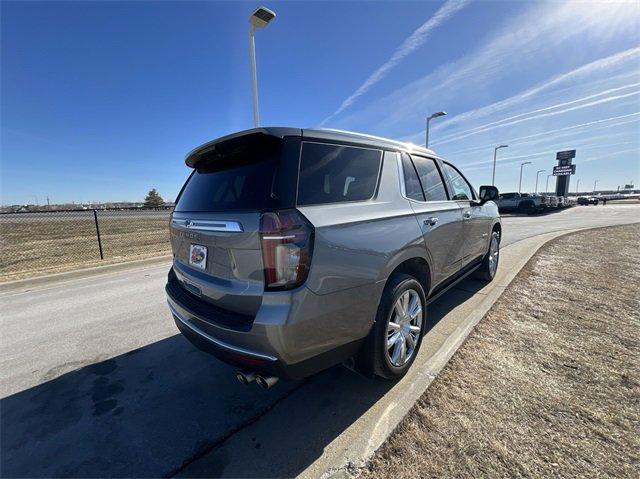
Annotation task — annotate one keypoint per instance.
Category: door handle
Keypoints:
(467, 215)
(430, 221)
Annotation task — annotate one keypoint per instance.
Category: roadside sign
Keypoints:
(564, 170)
(565, 155)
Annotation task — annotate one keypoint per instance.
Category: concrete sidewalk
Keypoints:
(300, 427)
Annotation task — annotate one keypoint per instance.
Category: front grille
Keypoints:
(204, 310)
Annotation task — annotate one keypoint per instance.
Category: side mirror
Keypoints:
(488, 193)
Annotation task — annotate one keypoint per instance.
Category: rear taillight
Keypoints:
(287, 246)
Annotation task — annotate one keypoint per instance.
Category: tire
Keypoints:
(489, 266)
(375, 352)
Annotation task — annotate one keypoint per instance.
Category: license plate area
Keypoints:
(198, 256)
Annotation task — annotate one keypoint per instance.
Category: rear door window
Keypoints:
(412, 187)
(337, 173)
(430, 179)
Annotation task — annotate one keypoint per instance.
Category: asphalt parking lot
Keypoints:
(95, 380)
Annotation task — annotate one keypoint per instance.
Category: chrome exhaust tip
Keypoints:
(265, 382)
(245, 377)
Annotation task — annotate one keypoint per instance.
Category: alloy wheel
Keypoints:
(403, 328)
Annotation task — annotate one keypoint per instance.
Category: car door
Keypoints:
(440, 218)
(476, 218)
(509, 201)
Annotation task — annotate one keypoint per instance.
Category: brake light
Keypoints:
(287, 246)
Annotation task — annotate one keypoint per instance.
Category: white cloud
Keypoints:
(415, 40)
(582, 72)
(533, 36)
(556, 133)
(528, 116)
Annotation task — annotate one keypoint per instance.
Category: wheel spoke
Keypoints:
(395, 355)
(414, 328)
(411, 342)
(416, 310)
(398, 308)
(403, 351)
(405, 302)
(393, 326)
(393, 340)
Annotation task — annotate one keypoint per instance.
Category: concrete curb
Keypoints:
(29, 283)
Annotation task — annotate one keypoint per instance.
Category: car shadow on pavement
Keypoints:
(153, 410)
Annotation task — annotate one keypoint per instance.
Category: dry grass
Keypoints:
(548, 383)
(37, 244)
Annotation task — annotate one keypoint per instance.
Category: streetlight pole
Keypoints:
(260, 18)
(594, 186)
(429, 118)
(546, 186)
(495, 153)
(577, 185)
(520, 184)
(537, 174)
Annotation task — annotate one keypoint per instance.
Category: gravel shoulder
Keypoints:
(548, 383)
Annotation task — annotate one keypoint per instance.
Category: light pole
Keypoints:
(520, 184)
(577, 186)
(495, 153)
(594, 186)
(537, 174)
(546, 186)
(260, 18)
(429, 118)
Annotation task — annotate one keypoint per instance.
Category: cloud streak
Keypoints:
(556, 133)
(601, 64)
(491, 126)
(414, 41)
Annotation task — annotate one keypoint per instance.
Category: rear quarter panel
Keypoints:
(360, 243)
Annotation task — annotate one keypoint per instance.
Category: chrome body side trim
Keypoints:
(209, 225)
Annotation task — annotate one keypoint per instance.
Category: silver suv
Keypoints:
(295, 250)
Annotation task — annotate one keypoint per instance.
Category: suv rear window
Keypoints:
(244, 180)
(336, 173)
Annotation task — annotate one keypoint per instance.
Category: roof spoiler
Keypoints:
(236, 143)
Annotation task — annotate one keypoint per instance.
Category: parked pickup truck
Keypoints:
(522, 203)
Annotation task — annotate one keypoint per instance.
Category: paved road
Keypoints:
(96, 382)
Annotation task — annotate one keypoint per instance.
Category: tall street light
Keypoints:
(260, 18)
(433, 115)
(495, 153)
(578, 185)
(537, 174)
(594, 186)
(520, 184)
(546, 186)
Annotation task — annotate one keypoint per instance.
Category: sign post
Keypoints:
(564, 170)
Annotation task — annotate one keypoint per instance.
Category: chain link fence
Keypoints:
(39, 242)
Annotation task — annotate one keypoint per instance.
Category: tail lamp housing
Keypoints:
(287, 247)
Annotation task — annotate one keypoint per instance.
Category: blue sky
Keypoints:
(101, 100)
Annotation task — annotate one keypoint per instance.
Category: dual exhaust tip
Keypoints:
(265, 382)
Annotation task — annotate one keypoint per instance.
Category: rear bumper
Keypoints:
(293, 335)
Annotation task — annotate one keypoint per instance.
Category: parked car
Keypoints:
(523, 203)
(561, 202)
(552, 201)
(295, 250)
(587, 200)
